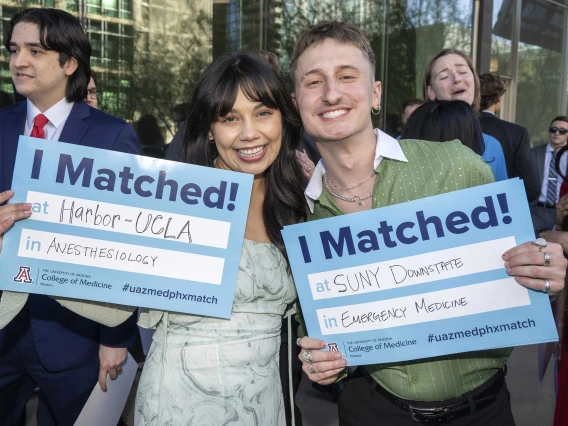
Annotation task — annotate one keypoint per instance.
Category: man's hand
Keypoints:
(110, 360)
(526, 263)
(325, 366)
(11, 212)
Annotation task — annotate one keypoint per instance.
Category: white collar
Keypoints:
(387, 148)
(56, 114)
(489, 112)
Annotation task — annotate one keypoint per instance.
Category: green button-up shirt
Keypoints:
(408, 170)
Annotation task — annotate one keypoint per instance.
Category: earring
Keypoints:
(377, 111)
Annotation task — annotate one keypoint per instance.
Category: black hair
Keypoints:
(559, 118)
(444, 121)
(214, 97)
(562, 150)
(61, 32)
(94, 77)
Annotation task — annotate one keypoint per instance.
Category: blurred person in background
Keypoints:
(408, 107)
(150, 136)
(514, 139)
(549, 159)
(444, 121)
(92, 98)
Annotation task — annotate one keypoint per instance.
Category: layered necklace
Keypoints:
(355, 199)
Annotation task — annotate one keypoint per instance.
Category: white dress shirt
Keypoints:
(387, 147)
(545, 180)
(57, 116)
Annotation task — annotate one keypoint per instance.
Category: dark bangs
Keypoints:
(214, 96)
(245, 76)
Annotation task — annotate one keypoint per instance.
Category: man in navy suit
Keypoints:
(43, 343)
(514, 139)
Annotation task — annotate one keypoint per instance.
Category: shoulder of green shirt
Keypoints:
(432, 168)
(451, 156)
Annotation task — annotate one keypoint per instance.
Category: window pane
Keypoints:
(421, 28)
(110, 4)
(503, 22)
(540, 70)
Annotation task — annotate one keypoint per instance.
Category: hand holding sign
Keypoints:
(426, 278)
(114, 227)
(11, 213)
(526, 263)
(326, 367)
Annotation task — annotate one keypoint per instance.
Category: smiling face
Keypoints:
(248, 138)
(36, 72)
(451, 79)
(335, 90)
(557, 140)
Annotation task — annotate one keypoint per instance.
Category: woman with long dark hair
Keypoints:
(444, 121)
(208, 371)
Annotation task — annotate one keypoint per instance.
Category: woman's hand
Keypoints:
(11, 212)
(527, 263)
(323, 367)
(306, 164)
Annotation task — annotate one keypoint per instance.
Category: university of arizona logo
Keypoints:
(332, 347)
(23, 276)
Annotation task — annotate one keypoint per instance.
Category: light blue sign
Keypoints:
(121, 228)
(419, 279)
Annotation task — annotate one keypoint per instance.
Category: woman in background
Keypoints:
(443, 121)
(450, 76)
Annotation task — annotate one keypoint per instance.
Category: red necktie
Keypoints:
(39, 122)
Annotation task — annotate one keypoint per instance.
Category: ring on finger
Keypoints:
(311, 370)
(546, 288)
(547, 259)
(540, 242)
(307, 356)
(298, 340)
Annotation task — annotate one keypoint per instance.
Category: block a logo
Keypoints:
(24, 276)
(332, 347)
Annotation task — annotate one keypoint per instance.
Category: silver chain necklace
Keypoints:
(328, 184)
(355, 199)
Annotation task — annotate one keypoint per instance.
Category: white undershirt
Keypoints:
(57, 116)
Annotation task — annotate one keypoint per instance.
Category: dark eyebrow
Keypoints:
(258, 106)
(28, 44)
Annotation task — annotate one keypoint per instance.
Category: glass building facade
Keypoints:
(148, 54)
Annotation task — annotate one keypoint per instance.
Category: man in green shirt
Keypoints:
(333, 66)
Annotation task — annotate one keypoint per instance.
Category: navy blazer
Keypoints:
(65, 340)
(514, 140)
